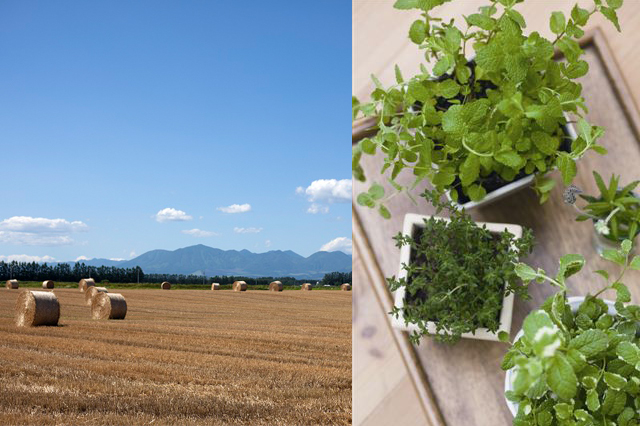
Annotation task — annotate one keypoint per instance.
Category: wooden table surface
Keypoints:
(385, 388)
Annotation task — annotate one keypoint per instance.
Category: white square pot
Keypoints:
(512, 187)
(411, 223)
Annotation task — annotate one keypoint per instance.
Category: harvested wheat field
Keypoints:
(185, 357)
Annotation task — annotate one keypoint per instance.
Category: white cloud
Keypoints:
(199, 233)
(247, 230)
(79, 258)
(322, 192)
(117, 259)
(39, 231)
(338, 244)
(172, 215)
(267, 243)
(26, 258)
(236, 208)
(132, 254)
(315, 208)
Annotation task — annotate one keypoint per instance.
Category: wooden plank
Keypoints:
(466, 380)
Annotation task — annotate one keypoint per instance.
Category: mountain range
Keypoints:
(201, 259)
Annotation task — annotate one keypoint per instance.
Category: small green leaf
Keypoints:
(615, 381)
(557, 22)
(626, 246)
(481, 21)
(590, 342)
(509, 158)
(384, 212)
(593, 403)
(635, 263)
(470, 170)
(611, 15)
(623, 295)
(476, 192)
(579, 15)
(399, 78)
(628, 352)
(614, 402)
(376, 191)
(561, 378)
(418, 31)
(615, 256)
(525, 272)
(569, 264)
(567, 168)
(577, 69)
(503, 336)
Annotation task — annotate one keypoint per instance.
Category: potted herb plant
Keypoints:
(457, 277)
(576, 360)
(475, 128)
(615, 212)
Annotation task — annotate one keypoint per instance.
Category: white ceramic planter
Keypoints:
(411, 223)
(574, 303)
(512, 187)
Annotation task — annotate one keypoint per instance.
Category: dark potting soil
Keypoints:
(422, 295)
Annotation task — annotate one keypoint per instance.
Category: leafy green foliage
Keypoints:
(615, 212)
(471, 126)
(582, 366)
(458, 274)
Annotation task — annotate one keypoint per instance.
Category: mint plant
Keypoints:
(458, 274)
(470, 126)
(615, 212)
(582, 367)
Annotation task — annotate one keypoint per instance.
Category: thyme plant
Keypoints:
(458, 274)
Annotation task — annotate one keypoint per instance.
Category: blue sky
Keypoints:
(131, 126)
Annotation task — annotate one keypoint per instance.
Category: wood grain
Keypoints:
(466, 379)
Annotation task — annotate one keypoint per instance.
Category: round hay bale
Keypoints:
(86, 282)
(239, 286)
(47, 284)
(108, 306)
(12, 284)
(306, 287)
(215, 286)
(91, 293)
(165, 285)
(276, 286)
(345, 287)
(37, 308)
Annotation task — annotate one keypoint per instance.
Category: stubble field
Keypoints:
(182, 357)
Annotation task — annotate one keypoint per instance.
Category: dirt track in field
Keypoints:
(182, 357)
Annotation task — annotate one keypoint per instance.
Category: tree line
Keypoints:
(64, 272)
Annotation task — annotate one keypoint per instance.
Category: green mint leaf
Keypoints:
(563, 410)
(614, 256)
(590, 342)
(452, 120)
(365, 199)
(418, 91)
(626, 246)
(614, 402)
(503, 336)
(407, 4)
(509, 158)
(517, 17)
(544, 142)
(557, 22)
(614, 4)
(418, 31)
(579, 15)
(399, 78)
(561, 378)
(628, 352)
(376, 191)
(635, 263)
(476, 192)
(611, 15)
(448, 88)
(489, 57)
(593, 403)
(442, 65)
(525, 272)
(384, 212)
(368, 146)
(567, 167)
(570, 264)
(622, 292)
(470, 170)
(481, 21)
(615, 381)
(576, 69)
